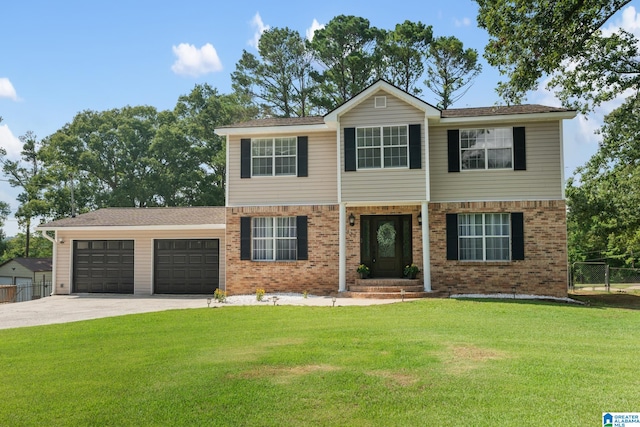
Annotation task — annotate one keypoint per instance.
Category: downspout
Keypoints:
(54, 258)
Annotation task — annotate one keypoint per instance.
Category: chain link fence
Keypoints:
(599, 276)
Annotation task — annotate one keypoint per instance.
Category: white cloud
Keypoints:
(259, 27)
(7, 90)
(315, 25)
(628, 21)
(195, 62)
(464, 22)
(9, 142)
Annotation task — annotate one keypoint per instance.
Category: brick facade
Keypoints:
(318, 275)
(542, 272)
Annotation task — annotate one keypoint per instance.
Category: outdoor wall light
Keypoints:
(420, 218)
(352, 220)
(61, 240)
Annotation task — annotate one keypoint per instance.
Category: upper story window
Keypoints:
(273, 156)
(382, 147)
(490, 148)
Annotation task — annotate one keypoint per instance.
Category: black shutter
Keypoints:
(245, 158)
(349, 149)
(245, 237)
(453, 144)
(452, 236)
(303, 156)
(415, 151)
(301, 230)
(519, 150)
(517, 236)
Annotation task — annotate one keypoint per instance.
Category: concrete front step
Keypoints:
(390, 295)
(396, 289)
(389, 282)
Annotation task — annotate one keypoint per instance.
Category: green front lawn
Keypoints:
(428, 362)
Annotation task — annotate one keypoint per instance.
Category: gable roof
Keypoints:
(174, 217)
(33, 264)
(428, 109)
(452, 115)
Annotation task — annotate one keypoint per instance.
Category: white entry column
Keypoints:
(342, 265)
(426, 253)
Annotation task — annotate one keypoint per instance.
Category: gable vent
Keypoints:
(380, 102)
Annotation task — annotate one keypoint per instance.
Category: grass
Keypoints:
(428, 362)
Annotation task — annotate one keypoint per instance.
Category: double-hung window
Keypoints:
(273, 156)
(486, 148)
(382, 147)
(484, 237)
(274, 239)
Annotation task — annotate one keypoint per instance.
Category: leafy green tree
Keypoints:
(280, 77)
(404, 52)
(5, 211)
(603, 218)
(29, 175)
(531, 39)
(15, 247)
(346, 50)
(451, 69)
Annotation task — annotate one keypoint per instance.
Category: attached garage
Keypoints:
(103, 266)
(143, 251)
(186, 266)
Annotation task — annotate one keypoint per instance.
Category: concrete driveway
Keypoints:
(73, 308)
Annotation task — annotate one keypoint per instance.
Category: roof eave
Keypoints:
(261, 130)
(560, 115)
(134, 227)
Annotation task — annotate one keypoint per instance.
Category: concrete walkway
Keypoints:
(73, 308)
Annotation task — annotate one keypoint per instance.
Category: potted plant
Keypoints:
(411, 271)
(363, 271)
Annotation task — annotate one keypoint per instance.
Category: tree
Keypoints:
(15, 247)
(5, 211)
(280, 77)
(29, 175)
(404, 51)
(451, 69)
(603, 218)
(346, 50)
(531, 39)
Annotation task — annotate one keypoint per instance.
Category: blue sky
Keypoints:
(59, 58)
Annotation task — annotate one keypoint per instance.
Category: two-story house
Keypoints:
(474, 197)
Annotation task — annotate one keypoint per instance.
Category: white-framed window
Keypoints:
(274, 239)
(484, 237)
(490, 148)
(273, 156)
(382, 147)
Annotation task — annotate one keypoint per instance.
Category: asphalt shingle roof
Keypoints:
(495, 110)
(122, 217)
(33, 264)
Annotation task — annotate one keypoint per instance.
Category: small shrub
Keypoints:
(305, 294)
(260, 294)
(220, 295)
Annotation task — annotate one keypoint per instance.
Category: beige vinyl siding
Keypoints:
(541, 180)
(143, 253)
(320, 187)
(383, 185)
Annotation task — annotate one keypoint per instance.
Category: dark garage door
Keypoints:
(186, 266)
(103, 266)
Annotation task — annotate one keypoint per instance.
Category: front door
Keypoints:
(386, 244)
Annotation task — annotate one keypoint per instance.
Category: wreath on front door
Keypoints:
(386, 235)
